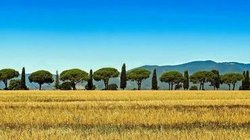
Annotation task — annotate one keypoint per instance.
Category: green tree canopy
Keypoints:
(138, 75)
(74, 76)
(41, 77)
(7, 74)
(201, 77)
(105, 74)
(172, 78)
(231, 79)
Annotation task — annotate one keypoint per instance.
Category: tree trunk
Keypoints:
(229, 86)
(40, 86)
(169, 86)
(202, 86)
(6, 84)
(172, 86)
(106, 83)
(139, 84)
(233, 86)
(73, 86)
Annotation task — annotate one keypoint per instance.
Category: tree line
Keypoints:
(68, 79)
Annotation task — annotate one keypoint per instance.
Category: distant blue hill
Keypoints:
(192, 67)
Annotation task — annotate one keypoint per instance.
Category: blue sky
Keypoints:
(60, 34)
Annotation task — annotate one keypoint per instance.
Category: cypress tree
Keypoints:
(123, 78)
(90, 85)
(57, 82)
(216, 79)
(243, 81)
(186, 80)
(23, 80)
(154, 81)
(247, 82)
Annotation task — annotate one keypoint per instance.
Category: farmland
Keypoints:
(124, 115)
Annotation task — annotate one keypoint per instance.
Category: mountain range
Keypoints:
(192, 67)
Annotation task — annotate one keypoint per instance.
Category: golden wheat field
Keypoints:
(124, 115)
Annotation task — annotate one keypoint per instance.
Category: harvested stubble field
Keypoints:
(124, 115)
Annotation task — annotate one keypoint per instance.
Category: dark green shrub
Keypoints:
(193, 88)
(15, 85)
(112, 87)
(65, 86)
(178, 86)
(93, 87)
